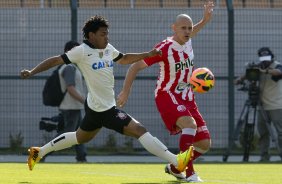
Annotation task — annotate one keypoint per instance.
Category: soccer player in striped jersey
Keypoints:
(95, 58)
(173, 95)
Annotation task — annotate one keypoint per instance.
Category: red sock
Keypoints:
(190, 170)
(185, 141)
(196, 154)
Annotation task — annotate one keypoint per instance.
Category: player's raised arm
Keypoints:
(208, 11)
(44, 65)
(130, 58)
(128, 81)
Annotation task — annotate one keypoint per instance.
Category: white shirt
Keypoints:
(96, 65)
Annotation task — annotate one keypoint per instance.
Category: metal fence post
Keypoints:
(73, 7)
(230, 69)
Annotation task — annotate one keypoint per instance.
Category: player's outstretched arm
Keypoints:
(128, 81)
(130, 58)
(208, 11)
(44, 65)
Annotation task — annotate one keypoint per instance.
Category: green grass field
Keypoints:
(58, 173)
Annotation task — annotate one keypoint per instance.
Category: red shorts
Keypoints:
(171, 107)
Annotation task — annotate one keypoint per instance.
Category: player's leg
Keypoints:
(188, 130)
(85, 133)
(121, 122)
(177, 119)
(200, 147)
(202, 143)
(63, 141)
(72, 120)
(188, 127)
(80, 149)
(156, 147)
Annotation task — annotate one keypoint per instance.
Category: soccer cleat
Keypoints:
(179, 175)
(33, 157)
(183, 159)
(194, 179)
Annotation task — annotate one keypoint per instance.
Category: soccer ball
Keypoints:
(202, 80)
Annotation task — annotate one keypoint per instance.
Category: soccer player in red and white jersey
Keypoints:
(173, 95)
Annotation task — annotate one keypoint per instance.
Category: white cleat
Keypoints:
(194, 179)
(179, 176)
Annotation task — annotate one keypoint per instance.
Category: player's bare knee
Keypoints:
(84, 136)
(139, 130)
(83, 139)
(134, 129)
(186, 122)
(202, 146)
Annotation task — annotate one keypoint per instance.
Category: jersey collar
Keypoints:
(177, 45)
(89, 44)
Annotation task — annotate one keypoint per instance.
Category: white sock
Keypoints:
(63, 141)
(156, 147)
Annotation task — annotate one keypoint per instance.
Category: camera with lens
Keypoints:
(266, 57)
(51, 124)
(252, 74)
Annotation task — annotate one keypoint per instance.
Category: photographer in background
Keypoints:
(72, 104)
(270, 95)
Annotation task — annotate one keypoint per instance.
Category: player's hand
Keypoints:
(208, 10)
(122, 98)
(25, 74)
(154, 52)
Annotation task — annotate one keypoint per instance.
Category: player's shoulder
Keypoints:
(167, 41)
(164, 44)
(110, 47)
(78, 49)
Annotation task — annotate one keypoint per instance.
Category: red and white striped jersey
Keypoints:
(176, 65)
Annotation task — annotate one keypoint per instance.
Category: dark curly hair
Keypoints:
(93, 24)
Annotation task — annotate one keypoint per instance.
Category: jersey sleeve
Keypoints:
(74, 55)
(155, 59)
(116, 55)
(152, 60)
